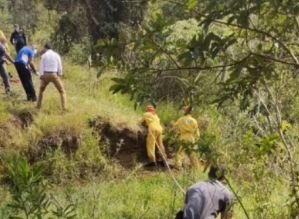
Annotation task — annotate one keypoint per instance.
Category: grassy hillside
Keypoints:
(93, 153)
(81, 168)
(72, 151)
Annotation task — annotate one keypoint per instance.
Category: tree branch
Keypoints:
(166, 53)
(275, 59)
(197, 68)
(245, 28)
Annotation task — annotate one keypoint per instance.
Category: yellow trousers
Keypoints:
(180, 154)
(154, 137)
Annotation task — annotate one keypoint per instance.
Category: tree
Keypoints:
(25, 13)
(245, 50)
(92, 19)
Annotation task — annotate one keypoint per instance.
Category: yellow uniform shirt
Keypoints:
(152, 121)
(187, 126)
(3, 35)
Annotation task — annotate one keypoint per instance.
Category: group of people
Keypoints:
(203, 200)
(50, 70)
(186, 127)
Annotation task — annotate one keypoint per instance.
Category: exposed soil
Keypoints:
(120, 144)
(68, 142)
(124, 145)
(20, 120)
(25, 119)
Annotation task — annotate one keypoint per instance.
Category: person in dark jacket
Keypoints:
(18, 38)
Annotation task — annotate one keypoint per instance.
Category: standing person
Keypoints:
(3, 56)
(23, 59)
(154, 135)
(6, 47)
(18, 38)
(205, 200)
(3, 35)
(51, 71)
(187, 127)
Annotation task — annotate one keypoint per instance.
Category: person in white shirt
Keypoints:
(51, 71)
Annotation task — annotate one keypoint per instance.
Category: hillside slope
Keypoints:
(96, 122)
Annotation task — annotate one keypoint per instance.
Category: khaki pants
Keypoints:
(55, 79)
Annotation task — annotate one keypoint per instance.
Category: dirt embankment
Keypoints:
(119, 143)
(8, 130)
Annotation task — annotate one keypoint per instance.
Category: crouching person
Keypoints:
(205, 200)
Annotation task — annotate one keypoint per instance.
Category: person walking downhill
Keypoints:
(18, 38)
(3, 56)
(187, 127)
(154, 135)
(51, 71)
(22, 60)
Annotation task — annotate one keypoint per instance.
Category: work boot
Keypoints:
(151, 164)
(33, 99)
(161, 163)
(7, 90)
(176, 167)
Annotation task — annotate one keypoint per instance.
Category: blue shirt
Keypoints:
(24, 55)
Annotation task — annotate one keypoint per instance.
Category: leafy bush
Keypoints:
(29, 191)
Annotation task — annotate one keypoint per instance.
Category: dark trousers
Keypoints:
(26, 79)
(5, 77)
(19, 45)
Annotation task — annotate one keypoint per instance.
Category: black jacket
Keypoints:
(18, 36)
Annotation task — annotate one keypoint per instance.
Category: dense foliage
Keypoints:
(79, 21)
(224, 53)
(235, 61)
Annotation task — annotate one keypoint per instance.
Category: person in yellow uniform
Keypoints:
(187, 127)
(2, 34)
(6, 46)
(154, 135)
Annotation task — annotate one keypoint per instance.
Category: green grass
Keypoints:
(148, 195)
(116, 192)
(129, 195)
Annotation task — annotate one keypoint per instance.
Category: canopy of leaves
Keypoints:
(92, 19)
(239, 44)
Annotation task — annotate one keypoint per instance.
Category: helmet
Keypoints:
(187, 109)
(150, 108)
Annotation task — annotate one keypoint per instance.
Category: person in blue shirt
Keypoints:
(24, 59)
